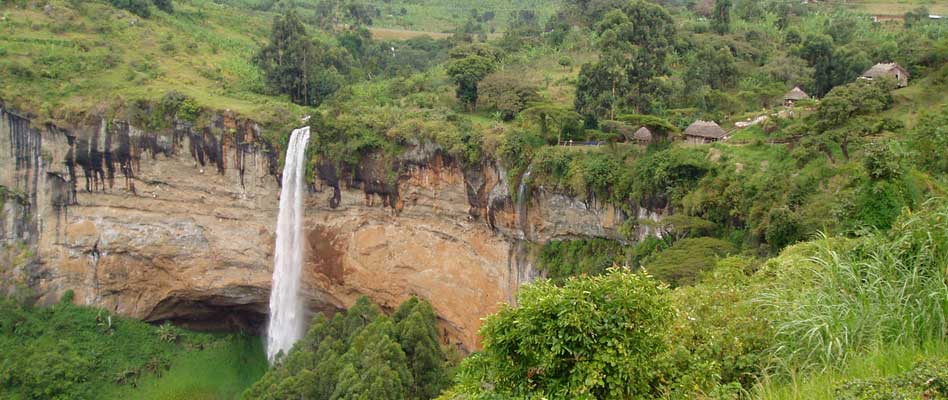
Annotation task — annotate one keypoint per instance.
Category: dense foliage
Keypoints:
(68, 352)
(592, 338)
(362, 354)
(559, 90)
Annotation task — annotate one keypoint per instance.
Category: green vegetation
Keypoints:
(65, 351)
(362, 354)
(799, 258)
(859, 318)
(591, 338)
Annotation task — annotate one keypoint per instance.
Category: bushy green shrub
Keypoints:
(718, 340)
(592, 338)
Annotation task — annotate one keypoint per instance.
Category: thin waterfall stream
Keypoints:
(286, 305)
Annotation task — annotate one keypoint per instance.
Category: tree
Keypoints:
(361, 354)
(467, 67)
(713, 67)
(593, 338)
(634, 41)
(832, 66)
(817, 50)
(845, 114)
(507, 93)
(721, 19)
(293, 64)
(551, 118)
(416, 332)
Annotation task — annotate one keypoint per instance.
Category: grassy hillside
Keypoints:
(70, 57)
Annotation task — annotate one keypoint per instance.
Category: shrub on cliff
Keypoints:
(683, 262)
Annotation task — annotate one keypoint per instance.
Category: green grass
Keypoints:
(219, 372)
(85, 56)
(65, 351)
(882, 363)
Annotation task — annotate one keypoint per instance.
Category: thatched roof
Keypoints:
(796, 94)
(705, 129)
(883, 69)
(643, 134)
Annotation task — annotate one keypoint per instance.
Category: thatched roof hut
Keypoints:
(888, 69)
(796, 94)
(643, 136)
(704, 132)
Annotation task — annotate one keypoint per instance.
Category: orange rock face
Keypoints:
(187, 233)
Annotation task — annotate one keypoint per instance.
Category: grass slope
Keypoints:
(72, 57)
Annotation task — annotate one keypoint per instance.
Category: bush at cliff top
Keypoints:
(592, 338)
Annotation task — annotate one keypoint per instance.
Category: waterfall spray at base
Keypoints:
(286, 306)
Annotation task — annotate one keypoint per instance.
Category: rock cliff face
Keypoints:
(179, 226)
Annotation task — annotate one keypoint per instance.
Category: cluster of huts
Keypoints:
(881, 70)
(703, 132)
(699, 132)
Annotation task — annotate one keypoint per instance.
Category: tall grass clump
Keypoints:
(847, 296)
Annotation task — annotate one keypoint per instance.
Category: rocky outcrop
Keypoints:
(178, 225)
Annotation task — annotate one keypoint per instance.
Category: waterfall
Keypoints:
(286, 305)
(522, 203)
(519, 266)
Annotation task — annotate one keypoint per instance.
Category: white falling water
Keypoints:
(286, 305)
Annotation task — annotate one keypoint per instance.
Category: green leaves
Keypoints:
(591, 338)
(362, 354)
(468, 66)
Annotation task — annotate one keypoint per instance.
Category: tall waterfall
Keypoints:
(521, 206)
(286, 305)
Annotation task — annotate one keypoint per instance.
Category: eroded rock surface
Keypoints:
(179, 226)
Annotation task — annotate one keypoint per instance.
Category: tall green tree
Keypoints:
(295, 65)
(634, 41)
(721, 19)
(416, 332)
(467, 67)
(847, 113)
(361, 354)
(284, 60)
(832, 65)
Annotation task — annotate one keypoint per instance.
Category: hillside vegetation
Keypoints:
(70, 352)
(802, 256)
